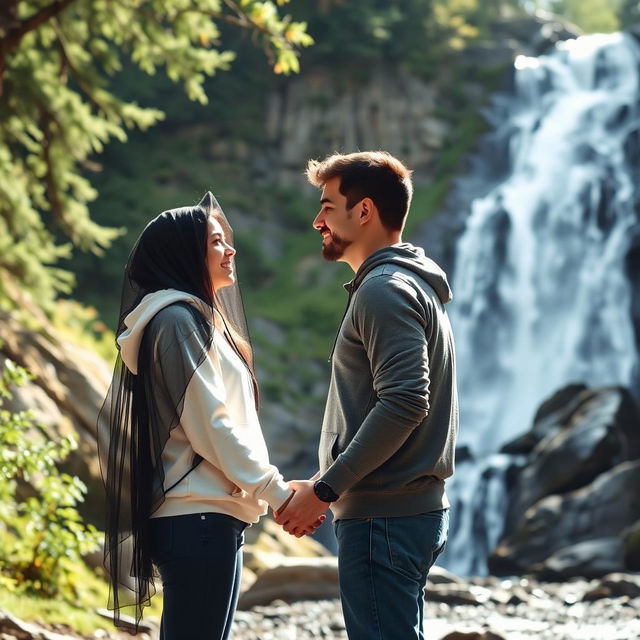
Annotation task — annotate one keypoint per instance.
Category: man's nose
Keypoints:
(318, 223)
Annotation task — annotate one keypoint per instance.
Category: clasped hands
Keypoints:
(303, 512)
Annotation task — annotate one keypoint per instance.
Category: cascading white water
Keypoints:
(541, 294)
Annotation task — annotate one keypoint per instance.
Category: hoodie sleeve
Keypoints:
(240, 453)
(390, 321)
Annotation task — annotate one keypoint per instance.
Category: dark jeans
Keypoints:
(199, 557)
(384, 564)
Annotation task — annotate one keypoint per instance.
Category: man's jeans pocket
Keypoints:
(415, 542)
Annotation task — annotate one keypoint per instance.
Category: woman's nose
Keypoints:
(230, 251)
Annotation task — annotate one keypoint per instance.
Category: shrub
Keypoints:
(42, 536)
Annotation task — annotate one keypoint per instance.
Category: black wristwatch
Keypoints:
(324, 492)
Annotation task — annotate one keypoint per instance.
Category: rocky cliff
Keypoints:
(327, 109)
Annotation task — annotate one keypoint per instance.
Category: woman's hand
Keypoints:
(303, 513)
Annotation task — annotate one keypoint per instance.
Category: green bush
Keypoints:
(42, 536)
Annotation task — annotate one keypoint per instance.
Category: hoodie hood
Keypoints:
(409, 257)
(136, 321)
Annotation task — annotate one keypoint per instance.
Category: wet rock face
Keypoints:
(575, 501)
(388, 109)
(592, 432)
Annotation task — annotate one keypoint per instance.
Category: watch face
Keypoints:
(324, 491)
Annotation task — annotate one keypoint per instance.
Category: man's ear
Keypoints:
(366, 210)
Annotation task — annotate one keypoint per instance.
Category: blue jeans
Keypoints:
(199, 557)
(384, 563)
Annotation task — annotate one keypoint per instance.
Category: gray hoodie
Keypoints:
(391, 419)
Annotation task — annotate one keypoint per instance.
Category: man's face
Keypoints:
(334, 221)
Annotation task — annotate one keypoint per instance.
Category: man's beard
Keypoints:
(335, 248)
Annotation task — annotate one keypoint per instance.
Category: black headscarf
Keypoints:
(133, 426)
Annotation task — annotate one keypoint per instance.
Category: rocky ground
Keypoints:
(476, 609)
(484, 609)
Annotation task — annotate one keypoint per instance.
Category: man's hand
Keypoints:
(303, 511)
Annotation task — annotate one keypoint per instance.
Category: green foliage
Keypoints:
(415, 33)
(57, 109)
(592, 16)
(42, 536)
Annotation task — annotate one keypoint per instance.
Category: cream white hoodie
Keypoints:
(218, 421)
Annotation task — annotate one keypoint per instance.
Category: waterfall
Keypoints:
(542, 293)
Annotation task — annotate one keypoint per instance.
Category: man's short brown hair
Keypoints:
(368, 174)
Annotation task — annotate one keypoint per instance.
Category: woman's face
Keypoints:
(219, 256)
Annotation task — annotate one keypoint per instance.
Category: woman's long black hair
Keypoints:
(132, 427)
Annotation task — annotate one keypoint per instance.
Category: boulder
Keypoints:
(473, 635)
(129, 623)
(615, 585)
(267, 543)
(590, 558)
(552, 415)
(294, 579)
(593, 432)
(438, 575)
(457, 594)
(559, 524)
(12, 628)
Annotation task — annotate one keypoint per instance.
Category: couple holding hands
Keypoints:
(186, 466)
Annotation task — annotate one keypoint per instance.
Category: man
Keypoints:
(391, 419)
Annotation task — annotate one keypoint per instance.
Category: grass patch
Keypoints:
(83, 326)
(91, 594)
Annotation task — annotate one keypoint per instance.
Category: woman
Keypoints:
(187, 467)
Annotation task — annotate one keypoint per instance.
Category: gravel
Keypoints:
(514, 610)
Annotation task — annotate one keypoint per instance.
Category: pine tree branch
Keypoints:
(246, 21)
(239, 20)
(46, 13)
(80, 79)
(53, 194)
(17, 29)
